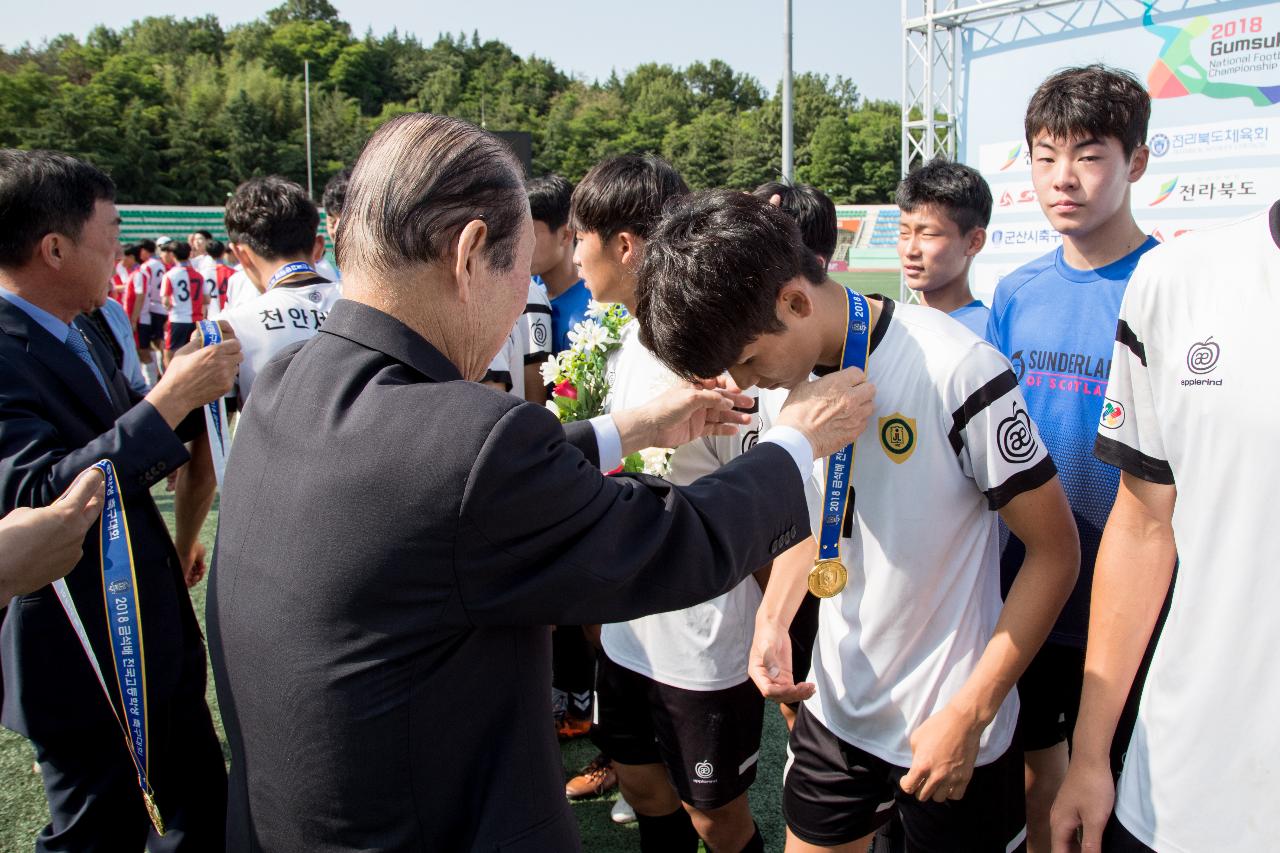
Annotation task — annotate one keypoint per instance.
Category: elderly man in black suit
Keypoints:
(394, 537)
(63, 406)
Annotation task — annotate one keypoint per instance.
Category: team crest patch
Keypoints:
(1112, 414)
(898, 437)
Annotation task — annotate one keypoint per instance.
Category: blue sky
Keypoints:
(860, 39)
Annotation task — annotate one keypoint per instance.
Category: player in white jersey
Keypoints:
(184, 293)
(916, 660)
(516, 367)
(152, 317)
(1190, 423)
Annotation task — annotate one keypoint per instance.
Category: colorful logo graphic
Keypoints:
(1176, 73)
(1166, 190)
(898, 437)
(1112, 414)
(1013, 156)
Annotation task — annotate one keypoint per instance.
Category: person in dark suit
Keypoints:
(63, 406)
(394, 537)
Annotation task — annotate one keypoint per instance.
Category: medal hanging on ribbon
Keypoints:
(828, 575)
(290, 270)
(124, 629)
(215, 412)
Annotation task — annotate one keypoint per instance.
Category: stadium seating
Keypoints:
(140, 221)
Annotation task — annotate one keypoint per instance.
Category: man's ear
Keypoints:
(565, 236)
(52, 250)
(627, 247)
(470, 243)
(317, 251)
(794, 300)
(1138, 163)
(977, 240)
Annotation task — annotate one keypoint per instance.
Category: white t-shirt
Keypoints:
(704, 647)
(277, 318)
(155, 275)
(950, 440)
(204, 264)
(529, 342)
(185, 287)
(240, 290)
(328, 270)
(1189, 401)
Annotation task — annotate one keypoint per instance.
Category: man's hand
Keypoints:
(193, 566)
(195, 376)
(1083, 807)
(680, 415)
(831, 411)
(769, 664)
(943, 751)
(38, 546)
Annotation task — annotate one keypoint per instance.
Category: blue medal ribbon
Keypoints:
(124, 627)
(857, 346)
(290, 270)
(215, 413)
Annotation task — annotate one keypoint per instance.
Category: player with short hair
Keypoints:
(153, 316)
(677, 712)
(1198, 771)
(184, 293)
(553, 266)
(217, 280)
(200, 259)
(916, 659)
(946, 208)
(1086, 130)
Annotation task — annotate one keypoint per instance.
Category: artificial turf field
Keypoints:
(23, 811)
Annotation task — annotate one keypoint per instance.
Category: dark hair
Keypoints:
(1094, 100)
(420, 179)
(148, 244)
(549, 200)
(812, 210)
(207, 235)
(181, 249)
(958, 190)
(133, 250)
(335, 192)
(710, 279)
(215, 248)
(624, 193)
(43, 192)
(273, 216)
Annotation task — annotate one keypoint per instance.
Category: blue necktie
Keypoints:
(75, 340)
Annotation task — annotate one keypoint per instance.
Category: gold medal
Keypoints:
(153, 811)
(827, 578)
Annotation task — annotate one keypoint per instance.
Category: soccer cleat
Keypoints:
(622, 812)
(596, 778)
(570, 727)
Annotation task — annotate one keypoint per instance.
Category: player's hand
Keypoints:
(1083, 806)
(943, 751)
(38, 546)
(193, 565)
(769, 664)
(831, 411)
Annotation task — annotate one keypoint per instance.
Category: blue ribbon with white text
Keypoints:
(288, 270)
(857, 347)
(215, 413)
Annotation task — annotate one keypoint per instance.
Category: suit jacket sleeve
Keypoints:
(37, 462)
(544, 538)
(583, 436)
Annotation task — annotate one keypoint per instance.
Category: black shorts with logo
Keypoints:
(1049, 695)
(835, 793)
(709, 740)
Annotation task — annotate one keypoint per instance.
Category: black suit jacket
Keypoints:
(55, 421)
(393, 543)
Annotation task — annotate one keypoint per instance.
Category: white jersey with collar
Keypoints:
(155, 277)
(529, 342)
(283, 315)
(949, 441)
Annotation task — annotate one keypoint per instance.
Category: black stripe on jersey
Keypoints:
(1132, 461)
(882, 324)
(498, 376)
(1023, 481)
(537, 308)
(1125, 335)
(535, 357)
(978, 400)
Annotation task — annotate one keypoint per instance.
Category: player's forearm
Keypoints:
(193, 497)
(788, 582)
(1130, 581)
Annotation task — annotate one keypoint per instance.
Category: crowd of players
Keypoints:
(981, 492)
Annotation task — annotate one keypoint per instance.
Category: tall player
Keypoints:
(184, 294)
(916, 659)
(1086, 128)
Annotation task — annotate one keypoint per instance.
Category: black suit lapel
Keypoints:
(101, 351)
(72, 372)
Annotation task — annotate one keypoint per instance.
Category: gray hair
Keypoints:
(420, 179)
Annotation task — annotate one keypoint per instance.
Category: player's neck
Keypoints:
(831, 306)
(562, 277)
(1104, 245)
(951, 296)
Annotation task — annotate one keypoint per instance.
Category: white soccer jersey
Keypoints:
(205, 265)
(949, 442)
(704, 647)
(240, 290)
(184, 287)
(529, 342)
(155, 275)
(277, 318)
(1189, 402)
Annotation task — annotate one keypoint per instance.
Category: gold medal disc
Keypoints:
(153, 811)
(827, 578)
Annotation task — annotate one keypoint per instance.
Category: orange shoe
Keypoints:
(596, 778)
(569, 727)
